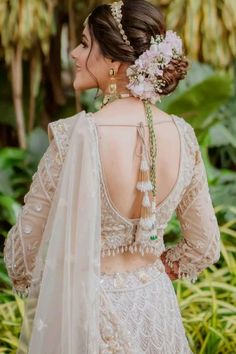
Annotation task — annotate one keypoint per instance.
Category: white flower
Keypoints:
(141, 78)
(174, 41)
(150, 65)
(165, 49)
(129, 71)
(154, 49)
(154, 70)
(138, 89)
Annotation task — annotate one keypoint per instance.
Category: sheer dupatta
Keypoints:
(62, 309)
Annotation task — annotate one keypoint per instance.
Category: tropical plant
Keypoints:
(207, 27)
(16, 169)
(11, 314)
(31, 31)
(25, 27)
(209, 306)
(213, 118)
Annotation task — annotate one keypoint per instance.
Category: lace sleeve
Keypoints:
(200, 246)
(24, 238)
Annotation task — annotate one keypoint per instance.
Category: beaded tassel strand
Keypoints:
(144, 185)
(147, 181)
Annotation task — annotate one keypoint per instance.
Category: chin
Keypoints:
(78, 86)
(82, 86)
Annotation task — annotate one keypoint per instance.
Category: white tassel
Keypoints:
(153, 218)
(135, 248)
(146, 201)
(118, 251)
(144, 165)
(109, 253)
(147, 223)
(144, 186)
(122, 249)
(153, 206)
(113, 253)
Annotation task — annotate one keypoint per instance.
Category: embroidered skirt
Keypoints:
(139, 313)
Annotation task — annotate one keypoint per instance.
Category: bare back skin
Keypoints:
(119, 149)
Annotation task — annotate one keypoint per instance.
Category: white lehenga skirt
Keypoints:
(140, 314)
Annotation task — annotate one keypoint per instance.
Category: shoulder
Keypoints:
(62, 129)
(187, 131)
(63, 126)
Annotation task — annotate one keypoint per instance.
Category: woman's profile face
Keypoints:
(97, 64)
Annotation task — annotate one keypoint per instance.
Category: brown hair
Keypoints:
(140, 20)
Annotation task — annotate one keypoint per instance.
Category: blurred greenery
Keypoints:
(37, 47)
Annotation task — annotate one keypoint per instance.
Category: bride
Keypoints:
(87, 252)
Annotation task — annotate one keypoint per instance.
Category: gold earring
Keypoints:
(112, 87)
(112, 94)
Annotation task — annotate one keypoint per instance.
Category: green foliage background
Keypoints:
(36, 88)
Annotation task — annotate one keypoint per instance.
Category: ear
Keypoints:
(111, 63)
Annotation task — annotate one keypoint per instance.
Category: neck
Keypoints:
(108, 98)
(120, 90)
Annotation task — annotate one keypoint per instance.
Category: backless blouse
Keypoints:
(189, 198)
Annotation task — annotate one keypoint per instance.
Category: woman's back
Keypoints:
(119, 147)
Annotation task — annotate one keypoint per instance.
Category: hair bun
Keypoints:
(173, 73)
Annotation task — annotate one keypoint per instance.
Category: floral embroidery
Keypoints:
(40, 325)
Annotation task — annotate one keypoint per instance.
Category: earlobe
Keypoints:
(112, 64)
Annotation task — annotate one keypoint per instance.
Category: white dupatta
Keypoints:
(62, 309)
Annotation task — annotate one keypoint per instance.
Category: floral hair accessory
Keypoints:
(145, 75)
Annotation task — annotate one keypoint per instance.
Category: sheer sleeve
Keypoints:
(200, 245)
(24, 238)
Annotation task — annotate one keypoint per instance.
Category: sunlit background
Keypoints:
(36, 78)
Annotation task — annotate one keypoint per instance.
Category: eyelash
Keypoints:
(84, 44)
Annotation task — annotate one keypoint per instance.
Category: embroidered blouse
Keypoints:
(190, 198)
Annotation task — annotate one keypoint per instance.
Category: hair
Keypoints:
(140, 20)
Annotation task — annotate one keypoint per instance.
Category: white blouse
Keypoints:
(190, 199)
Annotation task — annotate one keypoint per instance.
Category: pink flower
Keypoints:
(154, 49)
(165, 49)
(154, 70)
(150, 65)
(138, 90)
(174, 41)
(141, 78)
